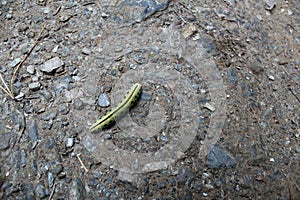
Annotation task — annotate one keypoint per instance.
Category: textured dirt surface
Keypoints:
(218, 117)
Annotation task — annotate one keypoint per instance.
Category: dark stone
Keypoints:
(218, 158)
(4, 140)
(40, 190)
(185, 176)
(77, 191)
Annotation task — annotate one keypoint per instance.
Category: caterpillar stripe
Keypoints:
(125, 104)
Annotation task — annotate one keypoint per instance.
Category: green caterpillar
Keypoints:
(125, 104)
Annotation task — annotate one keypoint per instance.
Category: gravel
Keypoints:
(220, 62)
(51, 65)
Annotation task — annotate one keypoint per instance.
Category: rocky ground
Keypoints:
(218, 117)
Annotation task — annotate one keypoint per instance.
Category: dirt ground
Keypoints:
(218, 116)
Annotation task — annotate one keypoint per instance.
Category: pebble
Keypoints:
(218, 158)
(50, 179)
(15, 62)
(40, 190)
(86, 51)
(32, 131)
(34, 86)
(270, 4)
(164, 138)
(161, 184)
(51, 65)
(49, 116)
(271, 77)
(78, 104)
(56, 169)
(22, 159)
(63, 108)
(107, 136)
(146, 96)
(9, 16)
(77, 191)
(103, 100)
(4, 140)
(30, 69)
(297, 148)
(209, 107)
(46, 94)
(27, 190)
(70, 142)
(185, 176)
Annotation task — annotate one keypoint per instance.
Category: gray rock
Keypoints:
(86, 51)
(78, 104)
(77, 191)
(51, 65)
(46, 94)
(69, 142)
(56, 169)
(50, 179)
(40, 190)
(15, 62)
(49, 116)
(63, 108)
(22, 159)
(185, 176)
(4, 140)
(218, 158)
(32, 131)
(28, 191)
(30, 69)
(34, 86)
(103, 100)
(146, 96)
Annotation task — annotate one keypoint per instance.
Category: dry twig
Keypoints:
(84, 167)
(6, 89)
(52, 192)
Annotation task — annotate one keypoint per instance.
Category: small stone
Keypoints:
(49, 116)
(69, 142)
(219, 158)
(272, 78)
(185, 176)
(32, 130)
(77, 190)
(297, 148)
(86, 51)
(63, 108)
(15, 62)
(46, 10)
(20, 96)
(107, 136)
(22, 160)
(103, 101)
(164, 138)
(30, 69)
(146, 96)
(51, 65)
(40, 190)
(50, 179)
(34, 86)
(9, 16)
(161, 184)
(270, 4)
(5, 140)
(46, 94)
(209, 107)
(35, 79)
(56, 169)
(78, 104)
